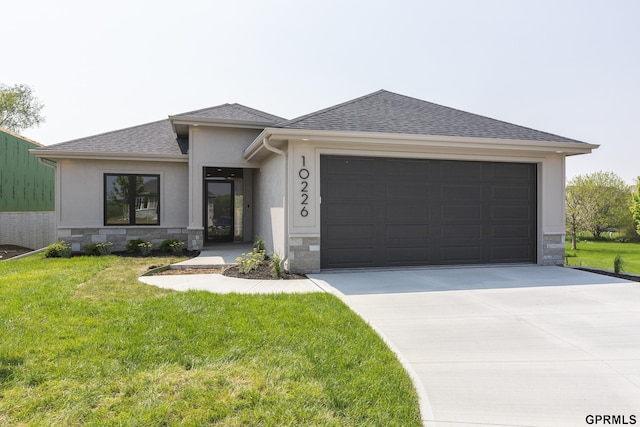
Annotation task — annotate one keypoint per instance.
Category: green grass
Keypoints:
(601, 254)
(83, 342)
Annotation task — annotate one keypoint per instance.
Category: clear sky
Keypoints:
(569, 67)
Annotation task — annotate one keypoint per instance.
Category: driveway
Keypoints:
(507, 346)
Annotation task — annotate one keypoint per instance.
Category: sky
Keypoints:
(568, 67)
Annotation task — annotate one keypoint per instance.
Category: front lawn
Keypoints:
(600, 254)
(83, 342)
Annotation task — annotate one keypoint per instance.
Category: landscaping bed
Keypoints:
(262, 271)
(10, 251)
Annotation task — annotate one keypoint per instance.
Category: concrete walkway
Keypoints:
(218, 256)
(507, 346)
(219, 284)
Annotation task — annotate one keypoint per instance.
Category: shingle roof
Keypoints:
(234, 112)
(388, 112)
(381, 111)
(156, 137)
(159, 137)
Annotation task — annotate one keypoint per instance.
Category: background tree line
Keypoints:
(601, 202)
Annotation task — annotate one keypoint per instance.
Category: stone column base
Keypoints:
(553, 249)
(304, 254)
(195, 239)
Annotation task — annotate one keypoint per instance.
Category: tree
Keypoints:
(596, 202)
(635, 206)
(575, 210)
(19, 108)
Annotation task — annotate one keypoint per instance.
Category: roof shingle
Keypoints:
(381, 111)
(156, 137)
(234, 112)
(159, 137)
(388, 112)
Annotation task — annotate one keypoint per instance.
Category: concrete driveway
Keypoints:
(507, 346)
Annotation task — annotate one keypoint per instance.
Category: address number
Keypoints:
(303, 174)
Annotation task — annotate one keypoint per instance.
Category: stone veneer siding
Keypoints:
(195, 239)
(304, 254)
(553, 249)
(119, 236)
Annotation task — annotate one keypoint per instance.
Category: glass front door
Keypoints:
(219, 210)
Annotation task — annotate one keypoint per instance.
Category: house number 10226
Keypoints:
(303, 174)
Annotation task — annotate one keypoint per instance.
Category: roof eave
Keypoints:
(93, 155)
(558, 147)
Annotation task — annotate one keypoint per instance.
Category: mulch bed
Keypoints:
(262, 272)
(10, 251)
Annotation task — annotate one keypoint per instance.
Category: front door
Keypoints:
(219, 211)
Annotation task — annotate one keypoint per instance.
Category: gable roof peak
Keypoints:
(235, 112)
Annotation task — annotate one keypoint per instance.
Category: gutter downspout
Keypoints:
(268, 146)
(48, 163)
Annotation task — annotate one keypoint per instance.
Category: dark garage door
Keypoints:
(385, 212)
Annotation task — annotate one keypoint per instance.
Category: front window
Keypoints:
(131, 199)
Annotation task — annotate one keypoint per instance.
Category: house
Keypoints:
(27, 199)
(383, 180)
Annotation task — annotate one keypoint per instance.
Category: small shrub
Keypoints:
(58, 250)
(172, 246)
(98, 249)
(276, 265)
(259, 245)
(618, 264)
(250, 261)
(132, 245)
(139, 246)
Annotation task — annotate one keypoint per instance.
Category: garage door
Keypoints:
(387, 212)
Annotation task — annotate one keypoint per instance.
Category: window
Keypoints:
(131, 199)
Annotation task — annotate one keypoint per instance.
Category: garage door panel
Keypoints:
(352, 233)
(456, 170)
(462, 212)
(350, 257)
(350, 166)
(517, 213)
(407, 256)
(510, 171)
(405, 169)
(407, 213)
(407, 190)
(351, 189)
(404, 232)
(456, 192)
(350, 212)
(512, 192)
(460, 231)
(461, 255)
(511, 231)
(396, 212)
(507, 254)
